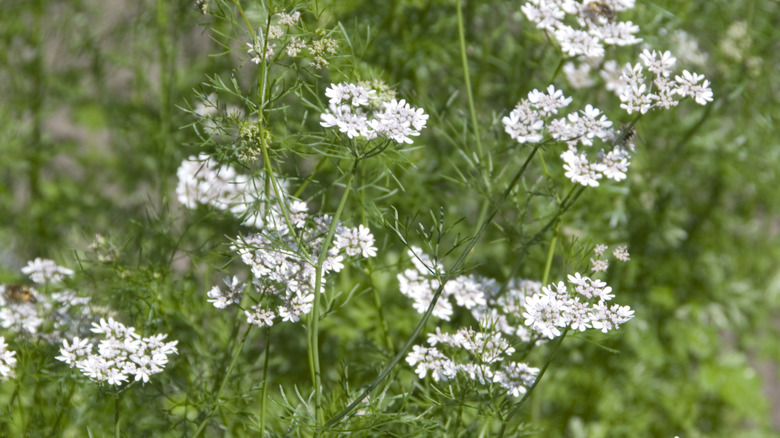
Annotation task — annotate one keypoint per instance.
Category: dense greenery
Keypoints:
(98, 112)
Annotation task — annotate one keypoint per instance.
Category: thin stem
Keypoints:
(568, 201)
(467, 80)
(421, 325)
(282, 202)
(315, 315)
(263, 84)
(222, 384)
(246, 20)
(117, 429)
(522, 401)
(19, 404)
(550, 253)
(382, 322)
(263, 396)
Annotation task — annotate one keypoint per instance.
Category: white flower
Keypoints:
(590, 124)
(398, 120)
(545, 313)
(431, 359)
(611, 72)
(356, 241)
(349, 94)
(555, 307)
(467, 291)
(350, 110)
(599, 265)
(666, 91)
(547, 15)
(618, 34)
(275, 32)
(606, 318)
(579, 170)
(352, 121)
(524, 123)
(7, 360)
(289, 19)
(621, 253)
(547, 104)
(259, 316)
(578, 76)
(232, 295)
(614, 164)
(515, 377)
(688, 86)
(659, 63)
(44, 271)
(295, 46)
(255, 50)
(575, 42)
(121, 354)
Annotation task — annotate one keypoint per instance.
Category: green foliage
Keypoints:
(99, 109)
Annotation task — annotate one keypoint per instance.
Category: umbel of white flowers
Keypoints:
(122, 354)
(282, 276)
(525, 311)
(358, 112)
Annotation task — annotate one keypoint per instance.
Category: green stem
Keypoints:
(467, 80)
(117, 429)
(19, 404)
(421, 325)
(522, 401)
(550, 254)
(382, 322)
(222, 384)
(246, 20)
(568, 201)
(263, 396)
(315, 315)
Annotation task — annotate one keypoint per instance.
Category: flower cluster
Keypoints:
(555, 307)
(22, 309)
(527, 123)
(26, 311)
(420, 282)
(203, 181)
(599, 264)
(293, 45)
(7, 360)
(281, 259)
(522, 310)
(284, 278)
(485, 352)
(120, 355)
(637, 94)
(44, 271)
(597, 26)
(357, 111)
(591, 24)
(503, 309)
